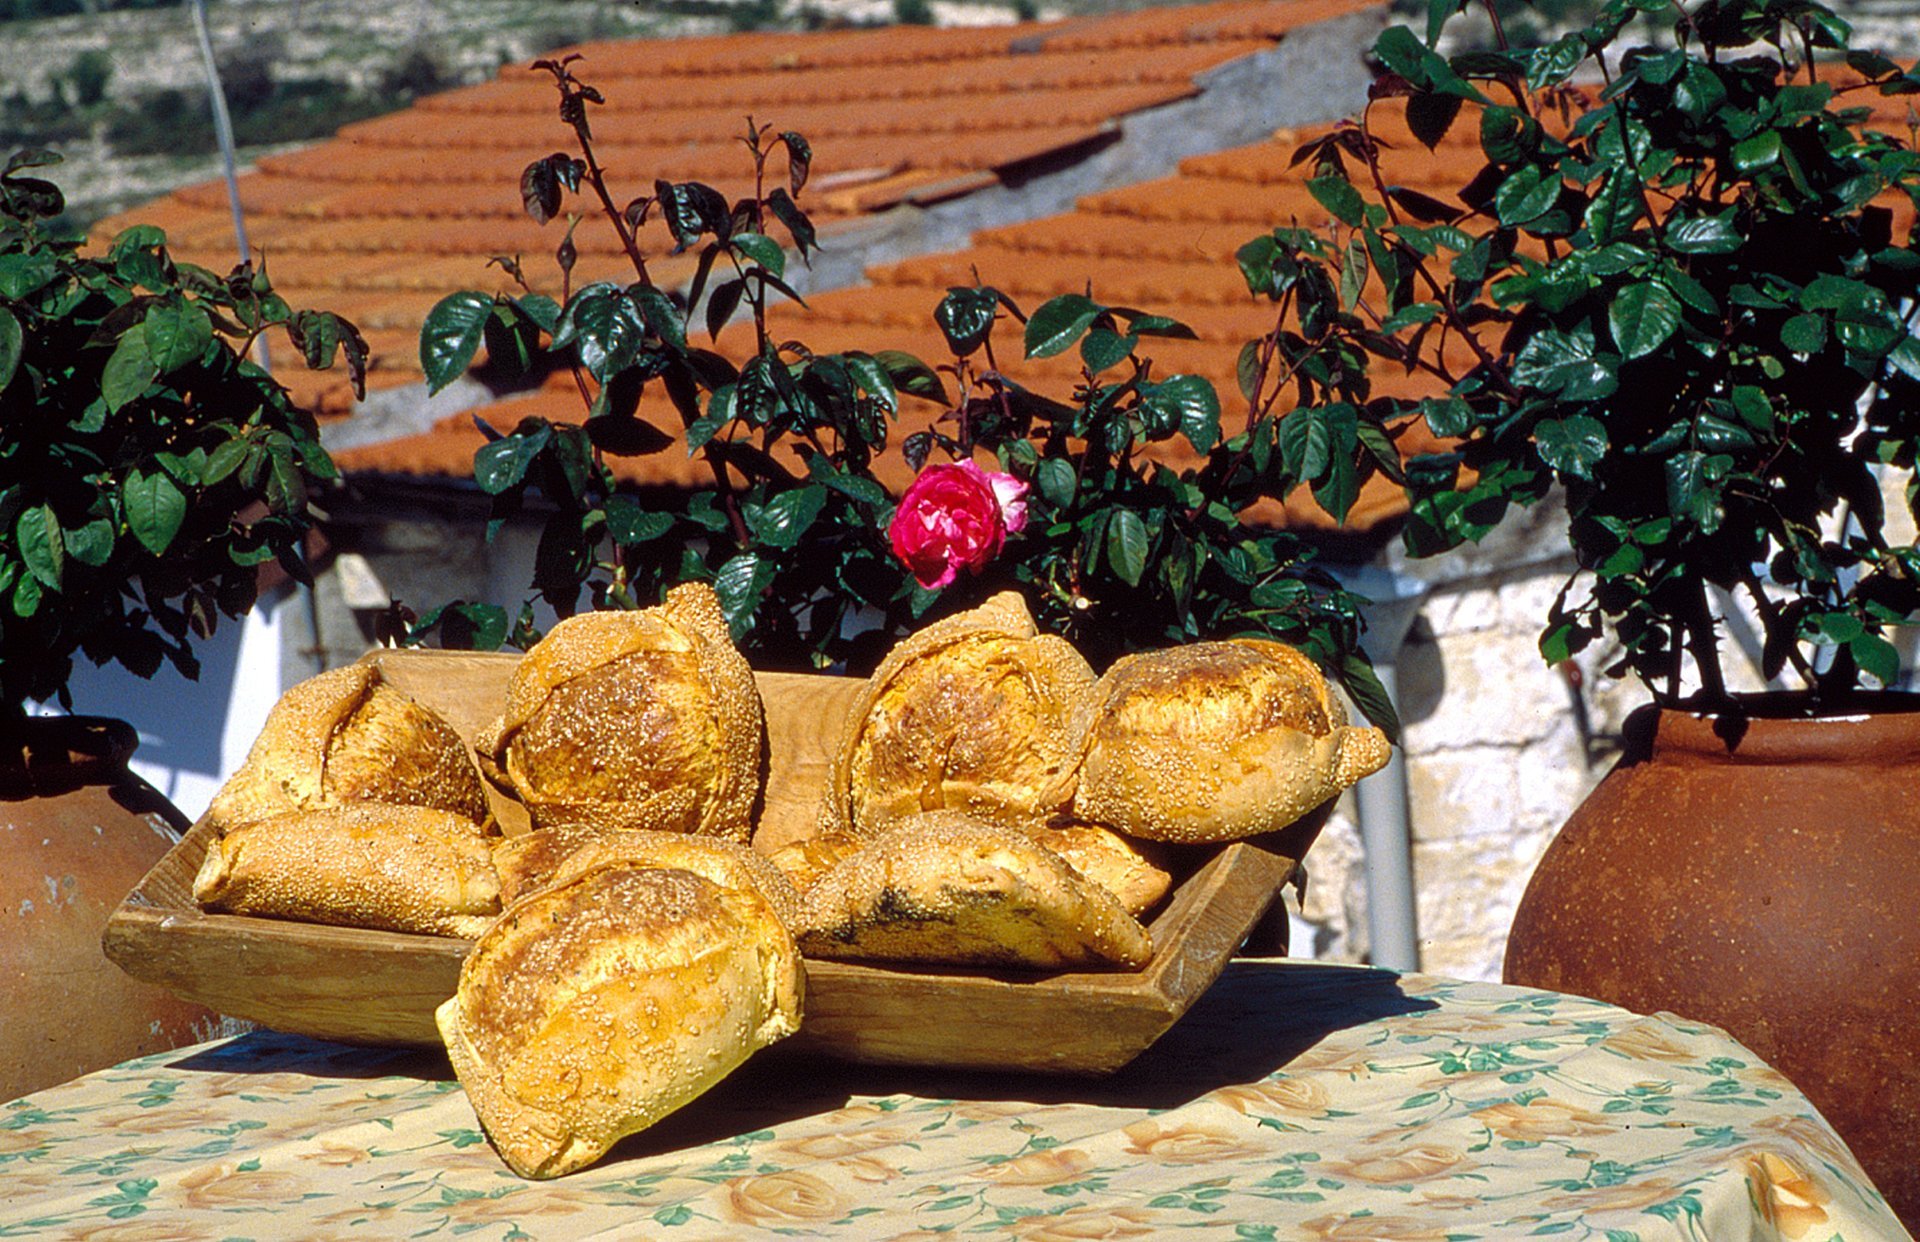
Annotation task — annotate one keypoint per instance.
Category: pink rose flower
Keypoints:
(956, 517)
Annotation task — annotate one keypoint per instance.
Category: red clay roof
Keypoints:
(393, 213)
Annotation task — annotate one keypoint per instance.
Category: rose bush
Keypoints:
(815, 563)
(953, 517)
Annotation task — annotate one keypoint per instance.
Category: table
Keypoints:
(1296, 1101)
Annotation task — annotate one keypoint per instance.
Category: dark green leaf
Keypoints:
(1056, 480)
(631, 523)
(1103, 347)
(1704, 235)
(1127, 544)
(1058, 323)
(1804, 334)
(177, 333)
(739, 584)
(798, 226)
(762, 250)
(1187, 402)
(503, 464)
(92, 543)
(1571, 445)
(1566, 363)
(451, 336)
(1363, 686)
(1642, 317)
(965, 316)
(1876, 657)
(42, 545)
(129, 370)
(1338, 196)
(786, 518)
(1430, 116)
(1526, 195)
(799, 159)
(12, 344)
(155, 509)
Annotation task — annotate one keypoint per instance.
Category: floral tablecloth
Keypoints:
(1296, 1101)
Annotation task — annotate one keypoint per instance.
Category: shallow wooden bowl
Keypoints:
(382, 987)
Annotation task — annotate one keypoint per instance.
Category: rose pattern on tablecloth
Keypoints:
(1296, 1102)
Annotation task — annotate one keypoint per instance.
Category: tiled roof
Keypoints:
(391, 214)
(1165, 246)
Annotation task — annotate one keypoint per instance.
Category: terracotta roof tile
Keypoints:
(380, 221)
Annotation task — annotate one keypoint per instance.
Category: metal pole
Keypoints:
(223, 131)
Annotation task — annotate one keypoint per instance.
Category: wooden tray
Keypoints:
(382, 987)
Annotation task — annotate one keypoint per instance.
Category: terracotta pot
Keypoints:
(1762, 875)
(77, 833)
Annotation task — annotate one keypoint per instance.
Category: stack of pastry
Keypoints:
(992, 803)
(359, 806)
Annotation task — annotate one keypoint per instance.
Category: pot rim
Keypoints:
(1780, 727)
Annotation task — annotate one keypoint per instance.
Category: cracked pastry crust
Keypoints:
(349, 735)
(596, 1007)
(1127, 869)
(727, 863)
(944, 887)
(395, 868)
(647, 719)
(1217, 741)
(976, 713)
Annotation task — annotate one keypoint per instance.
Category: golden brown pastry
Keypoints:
(646, 719)
(726, 862)
(1122, 867)
(806, 860)
(396, 868)
(944, 887)
(596, 1007)
(348, 735)
(976, 712)
(530, 860)
(1216, 741)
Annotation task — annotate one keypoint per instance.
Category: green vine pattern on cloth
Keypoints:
(1296, 1101)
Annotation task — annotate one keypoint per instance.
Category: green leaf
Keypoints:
(155, 509)
(451, 336)
(92, 543)
(178, 332)
(739, 584)
(604, 326)
(1571, 445)
(1566, 363)
(1642, 317)
(912, 376)
(129, 370)
(1693, 491)
(1877, 658)
(1057, 481)
(1304, 444)
(22, 274)
(12, 346)
(1058, 323)
(503, 464)
(965, 316)
(1189, 403)
(1526, 195)
(1103, 347)
(660, 315)
(1804, 334)
(787, 517)
(762, 250)
(630, 523)
(1363, 686)
(1430, 116)
(1337, 195)
(42, 546)
(1127, 546)
(1704, 235)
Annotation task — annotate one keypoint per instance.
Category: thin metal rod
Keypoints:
(223, 131)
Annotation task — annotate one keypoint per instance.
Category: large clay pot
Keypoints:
(77, 833)
(1761, 874)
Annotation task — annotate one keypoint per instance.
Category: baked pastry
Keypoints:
(596, 1007)
(806, 860)
(726, 862)
(530, 860)
(1127, 869)
(646, 719)
(349, 735)
(944, 887)
(1217, 741)
(975, 713)
(368, 864)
